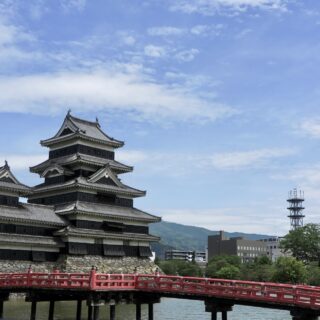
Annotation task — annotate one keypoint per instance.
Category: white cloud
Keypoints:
(205, 30)
(211, 7)
(311, 127)
(166, 31)
(69, 5)
(181, 164)
(245, 159)
(21, 162)
(187, 55)
(105, 90)
(154, 51)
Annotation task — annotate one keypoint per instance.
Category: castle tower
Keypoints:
(81, 181)
(296, 208)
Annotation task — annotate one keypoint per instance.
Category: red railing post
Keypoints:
(92, 278)
(29, 279)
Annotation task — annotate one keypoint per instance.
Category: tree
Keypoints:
(289, 270)
(303, 243)
(181, 268)
(218, 262)
(313, 275)
(228, 272)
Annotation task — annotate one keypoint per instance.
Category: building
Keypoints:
(273, 248)
(185, 255)
(247, 250)
(81, 209)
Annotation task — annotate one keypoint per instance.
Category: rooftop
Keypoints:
(73, 127)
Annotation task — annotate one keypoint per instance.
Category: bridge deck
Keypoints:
(236, 291)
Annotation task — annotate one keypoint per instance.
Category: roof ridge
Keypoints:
(95, 123)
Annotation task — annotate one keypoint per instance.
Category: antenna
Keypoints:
(296, 208)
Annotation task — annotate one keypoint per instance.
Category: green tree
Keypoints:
(228, 272)
(313, 275)
(289, 270)
(303, 243)
(181, 268)
(218, 262)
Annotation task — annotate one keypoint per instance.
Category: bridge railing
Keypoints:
(286, 294)
(248, 290)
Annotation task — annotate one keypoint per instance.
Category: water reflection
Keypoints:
(168, 309)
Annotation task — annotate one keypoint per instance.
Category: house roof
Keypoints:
(89, 233)
(73, 127)
(31, 214)
(105, 210)
(81, 158)
(8, 182)
(82, 182)
(22, 239)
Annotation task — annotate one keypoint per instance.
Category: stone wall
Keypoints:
(83, 264)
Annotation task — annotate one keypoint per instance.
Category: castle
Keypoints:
(81, 215)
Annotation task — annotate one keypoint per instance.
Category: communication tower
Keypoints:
(295, 199)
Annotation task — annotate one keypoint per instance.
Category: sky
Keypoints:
(216, 100)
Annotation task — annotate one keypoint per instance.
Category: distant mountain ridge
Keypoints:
(183, 237)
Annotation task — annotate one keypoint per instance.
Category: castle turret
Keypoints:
(81, 181)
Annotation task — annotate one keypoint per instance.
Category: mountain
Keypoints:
(182, 237)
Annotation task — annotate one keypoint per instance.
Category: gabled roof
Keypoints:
(8, 182)
(106, 211)
(82, 158)
(83, 183)
(73, 127)
(107, 173)
(55, 167)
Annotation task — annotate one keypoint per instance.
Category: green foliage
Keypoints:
(257, 271)
(303, 243)
(228, 272)
(181, 268)
(289, 270)
(313, 275)
(217, 263)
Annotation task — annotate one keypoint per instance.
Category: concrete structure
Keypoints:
(273, 248)
(82, 209)
(247, 250)
(185, 255)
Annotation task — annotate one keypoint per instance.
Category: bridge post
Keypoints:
(112, 312)
(89, 312)
(302, 314)
(214, 315)
(33, 310)
(51, 310)
(224, 315)
(79, 305)
(1, 309)
(96, 312)
(150, 311)
(138, 311)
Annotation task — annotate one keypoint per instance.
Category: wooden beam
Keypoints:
(51, 310)
(79, 305)
(33, 310)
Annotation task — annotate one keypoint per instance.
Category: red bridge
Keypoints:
(97, 289)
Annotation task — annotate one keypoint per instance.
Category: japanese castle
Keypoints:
(81, 209)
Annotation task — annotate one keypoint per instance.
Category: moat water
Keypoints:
(168, 309)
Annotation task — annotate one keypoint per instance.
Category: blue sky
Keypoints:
(217, 100)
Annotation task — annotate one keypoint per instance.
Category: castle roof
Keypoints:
(74, 128)
(83, 183)
(9, 183)
(81, 158)
(106, 211)
(89, 233)
(31, 214)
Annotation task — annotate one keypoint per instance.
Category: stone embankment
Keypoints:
(83, 264)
